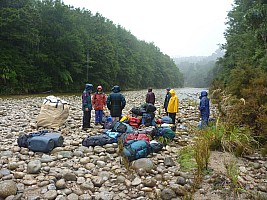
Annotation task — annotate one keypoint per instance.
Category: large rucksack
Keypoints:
(135, 149)
(98, 140)
(41, 141)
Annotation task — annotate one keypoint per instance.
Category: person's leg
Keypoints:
(172, 116)
(96, 117)
(167, 114)
(100, 116)
(86, 121)
(89, 119)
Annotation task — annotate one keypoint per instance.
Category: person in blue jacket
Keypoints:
(116, 103)
(204, 107)
(87, 106)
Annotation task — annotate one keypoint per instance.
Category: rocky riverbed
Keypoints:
(77, 172)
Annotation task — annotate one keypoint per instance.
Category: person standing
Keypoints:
(87, 106)
(150, 96)
(204, 107)
(173, 104)
(116, 103)
(167, 99)
(99, 103)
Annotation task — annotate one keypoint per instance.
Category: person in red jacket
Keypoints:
(99, 104)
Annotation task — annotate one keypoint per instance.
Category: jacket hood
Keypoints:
(116, 89)
(88, 87)
(203, 94)
(172, 92)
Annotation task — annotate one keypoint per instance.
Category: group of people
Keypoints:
(171, 102)
(115, 102)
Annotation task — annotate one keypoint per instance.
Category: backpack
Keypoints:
(166, 132)
(150, 108)
(148, 119)
(134, 121)
(135, 149)
(166, 119)
(136, 136)
(114, 135)
(156, 146)
(122, 127)
(97, 140)
(138, 111)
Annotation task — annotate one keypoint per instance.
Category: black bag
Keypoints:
(138, 111)
(120, 127)
(150, 108)
(97, 140)
(156, 146)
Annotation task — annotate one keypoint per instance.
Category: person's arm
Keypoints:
(108, 102)
(123, 102)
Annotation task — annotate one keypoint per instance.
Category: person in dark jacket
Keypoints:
(99, 104)
(150, 96)
(204, 107)
(167, 99)
(87, 106)
(116, 103)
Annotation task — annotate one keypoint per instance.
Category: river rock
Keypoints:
(7, 188)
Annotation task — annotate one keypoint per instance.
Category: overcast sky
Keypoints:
(177, 27)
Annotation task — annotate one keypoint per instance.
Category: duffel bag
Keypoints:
(42, 141)
(97, 140)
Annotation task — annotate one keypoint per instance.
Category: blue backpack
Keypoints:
(166, 119)
(135, 149)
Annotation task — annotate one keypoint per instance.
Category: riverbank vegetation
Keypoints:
(240, 87)
(46, 45)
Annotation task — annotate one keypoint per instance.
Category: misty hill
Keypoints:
(197, 70)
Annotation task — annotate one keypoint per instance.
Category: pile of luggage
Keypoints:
(138, 135)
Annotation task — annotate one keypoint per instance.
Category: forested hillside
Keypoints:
(242, 72)
(46, 45)
(198, 70)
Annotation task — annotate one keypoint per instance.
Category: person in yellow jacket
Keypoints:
(173, 104)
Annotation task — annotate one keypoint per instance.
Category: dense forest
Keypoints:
(241, 75)
(198, 70)
(46, 45)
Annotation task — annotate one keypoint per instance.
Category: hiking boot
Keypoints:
(96, 123)
(90, 127)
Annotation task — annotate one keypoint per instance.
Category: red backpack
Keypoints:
(136, 136)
